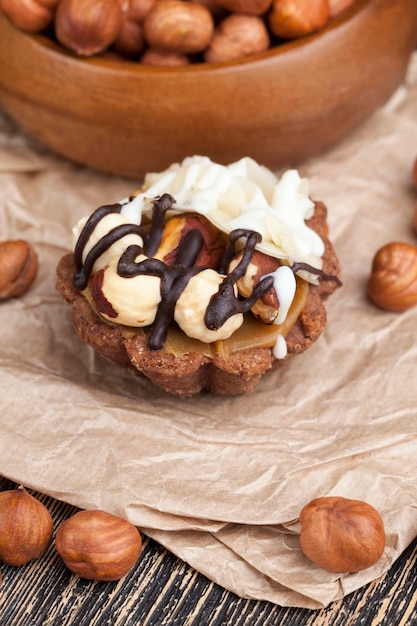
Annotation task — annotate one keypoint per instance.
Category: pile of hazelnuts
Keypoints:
(172, 32)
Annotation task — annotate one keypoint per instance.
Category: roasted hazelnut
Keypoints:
(341, 535)
(248, 7)
(236, 37)
(210, 248)
(26, 527)
(179, 26)
(191, 310)
(97, 545)
(392, 284)
(18, 267)
(291, 19)
(260, 264)
(31, 16)
(88, 27)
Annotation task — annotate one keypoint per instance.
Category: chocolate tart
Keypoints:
(184, 366)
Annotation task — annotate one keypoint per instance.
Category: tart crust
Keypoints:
(187, 374)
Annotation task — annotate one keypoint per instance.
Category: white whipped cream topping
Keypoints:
(243, 194)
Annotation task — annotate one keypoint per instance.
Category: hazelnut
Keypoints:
(174, 239)
(129, 301)
(248, 7)
(179, 26)
(130, 41)
(137, 10)
(341, 535)
(236, 37)
(18, 267)
(260, 264)
(26, 527)
(291, 19)
(88, 27)
(191, 309)
(97, 545)
(31, 16)
(164, 58)
(392, 284)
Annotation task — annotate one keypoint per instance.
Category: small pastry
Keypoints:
(206, 278)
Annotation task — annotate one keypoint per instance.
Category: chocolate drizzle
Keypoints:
(151, 239)
(161, 205)
(224, 303)
(174, 278)
(83, 270)
(296, 267)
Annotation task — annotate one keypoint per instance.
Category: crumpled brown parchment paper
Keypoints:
(220, 481)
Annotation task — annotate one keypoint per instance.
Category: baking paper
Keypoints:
(220, 481)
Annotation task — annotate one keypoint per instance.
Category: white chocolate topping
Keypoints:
(240, 195)
(285, 286)
(280, 348)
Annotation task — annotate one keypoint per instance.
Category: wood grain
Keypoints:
(163, 591)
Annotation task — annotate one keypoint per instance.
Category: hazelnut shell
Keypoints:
(88, 27)
(18, 267)
(32, 16)
(392, 284)
(179, 26)
(26, 527)
(97, 545)
(291, 19)
(341, 534)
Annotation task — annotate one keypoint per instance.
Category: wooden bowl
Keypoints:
(280, 107)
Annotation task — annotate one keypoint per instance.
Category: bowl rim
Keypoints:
(44, 41)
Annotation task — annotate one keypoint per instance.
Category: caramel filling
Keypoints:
(252, 334)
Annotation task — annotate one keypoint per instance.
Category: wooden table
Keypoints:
(161, 590)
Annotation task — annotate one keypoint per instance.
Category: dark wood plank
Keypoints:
(163, 591)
